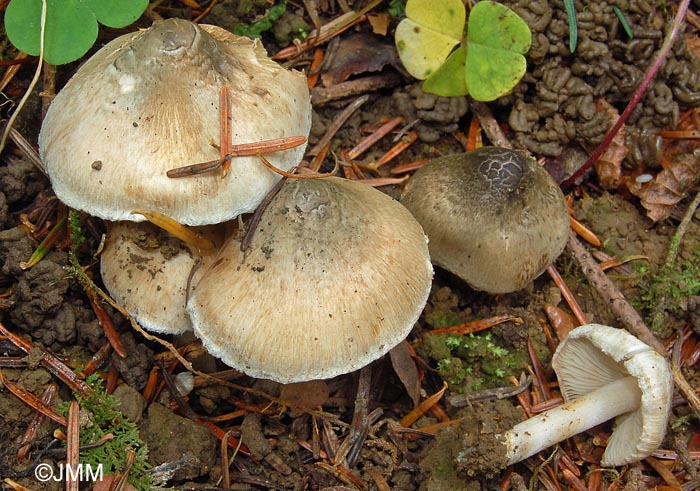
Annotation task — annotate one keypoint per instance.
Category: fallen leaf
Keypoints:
(360, 53)
(669, 186)
(405, 368)
(609, 166)
(379, 23)
(681, 170)
(305, 395)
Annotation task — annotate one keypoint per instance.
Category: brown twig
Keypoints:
(335, 125)
(489, 124)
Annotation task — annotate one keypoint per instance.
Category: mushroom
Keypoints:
(493, 216)
(148, 102)
(147, 272)
(603, 373)
(336, 274)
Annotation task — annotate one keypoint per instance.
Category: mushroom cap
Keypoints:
(594, 355)
(493, 216)
(336, 275)
(148, 102)
(147, 272)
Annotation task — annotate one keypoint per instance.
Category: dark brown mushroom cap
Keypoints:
(148, 102)
(336, 275)
(493, 216)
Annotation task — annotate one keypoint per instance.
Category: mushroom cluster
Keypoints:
(145, 103)
(494, 217)
(335, 268)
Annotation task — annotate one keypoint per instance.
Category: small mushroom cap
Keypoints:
(335, 276)
(594, 355)
(148, 102)
(493, 216)
(147, 272)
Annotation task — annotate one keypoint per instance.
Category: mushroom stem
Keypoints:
(546, 429)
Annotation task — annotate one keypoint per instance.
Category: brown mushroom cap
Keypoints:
(336, 275)
(148, 102)
(147, 272)
(493, 216)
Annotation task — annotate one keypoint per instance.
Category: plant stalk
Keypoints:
(637, 96)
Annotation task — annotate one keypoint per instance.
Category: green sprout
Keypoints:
(255, 29)
(71, 25)
(105, 417)
(486, 63)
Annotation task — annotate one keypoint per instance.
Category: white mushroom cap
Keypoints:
(148, 102)
(335, 276)
(594, 355)
(147, 272)
(603, 373)
(493, 216)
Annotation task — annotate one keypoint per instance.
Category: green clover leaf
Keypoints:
(488, 63)
(71, 25)
(428, 34)
(497, 39)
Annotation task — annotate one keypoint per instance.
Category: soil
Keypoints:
(290, 435)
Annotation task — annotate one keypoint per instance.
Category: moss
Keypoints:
(472, 362)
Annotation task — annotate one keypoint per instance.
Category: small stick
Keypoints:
(326, 32)
(105, 322)
(37, 420)
(584, 232)
(383, 181)
(257, 215)
(96, 361)
(409, 167)
(50, 362)
(27, 149)
(374, 137)
(421, 408)
(568, 295)
(489, 124)
(73, 445)
(225, 128)
(323, 95)
(394, 151)
(175, 393)
(539, 381)
(474, 326)
(182, 232)
(314, 71)
(335, 125)
(292, 175)
(31, 400)
(239, 150)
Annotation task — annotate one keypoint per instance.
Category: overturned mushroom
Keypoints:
(148, 102)
(493, 216)
(604, 373)
(335, 276)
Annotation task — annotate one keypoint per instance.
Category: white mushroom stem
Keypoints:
(555, 425)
